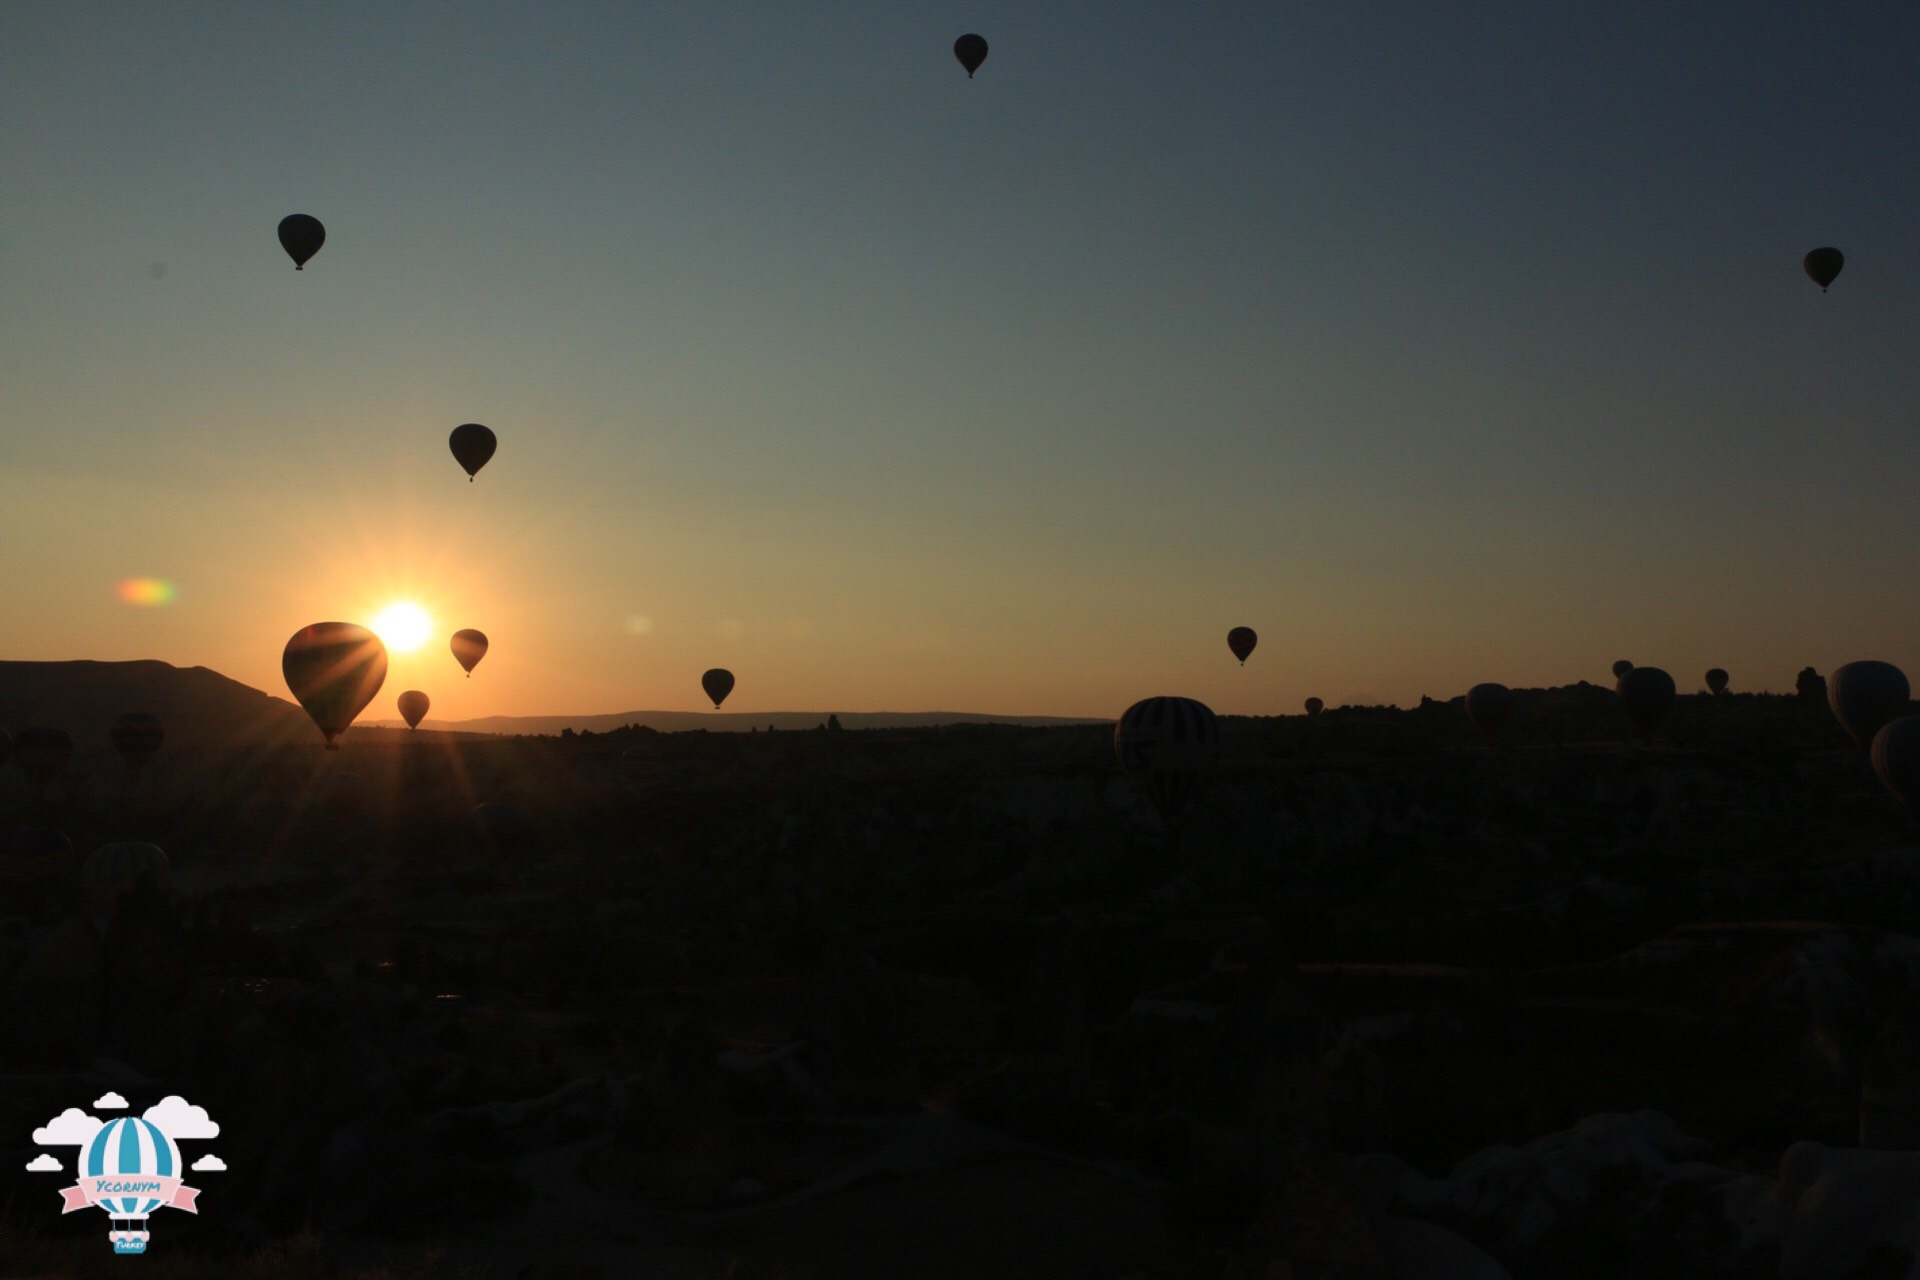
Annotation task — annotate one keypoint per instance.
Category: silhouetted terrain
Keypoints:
(724, 721)
(198, 707)
(946, 1002)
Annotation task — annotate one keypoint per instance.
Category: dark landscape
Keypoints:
(948, 1002)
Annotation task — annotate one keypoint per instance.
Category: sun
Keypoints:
(402, 626)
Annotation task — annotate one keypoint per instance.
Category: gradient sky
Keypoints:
(1438, 343)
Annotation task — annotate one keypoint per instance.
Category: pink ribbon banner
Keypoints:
(91, 1191)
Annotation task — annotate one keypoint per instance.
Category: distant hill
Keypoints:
(729, 722)
(196, 706)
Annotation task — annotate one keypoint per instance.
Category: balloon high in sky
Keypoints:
(972, 51)
(301, 235)
(469, 646)
(1823, 266)
(1240, 641)
(1457, 344)
(472, 444)
(717, 683)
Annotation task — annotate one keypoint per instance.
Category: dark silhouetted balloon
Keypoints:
(42, 754)
(1865, 695)
(115, 869)
(1646, 693)
(469, 647)
(334, 669)
(1896, 758)
(972, 51)
(718, 683)
(1241, 641)
(472, 445)
(1716, 681)
(301, 235)
(1621, 668)
(137, 736)
(1823, 265)
(1169, 746)
(413, 707)
(1490, 707)
(1315, 706)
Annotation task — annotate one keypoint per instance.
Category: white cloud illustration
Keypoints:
(209, 1164)
(71, 1128)
(44, 1163)
(109, 1101)
(179, 1118)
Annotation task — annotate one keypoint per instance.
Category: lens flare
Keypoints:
(147, 592)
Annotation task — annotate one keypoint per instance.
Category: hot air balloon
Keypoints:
(1865, 695)
(718, 683)
(132, 1151)
(1646, 693)
(413, 707)
(116, 869)
(334, 669)
(469, 647)
(1716, 681)
(1490, 707)
(1823, 265)
(42, 754)
(1315, 706)
(1896, 758)
(137, 735)
(301, 235)
(1241, 640)
(972, 51)
(1169, 746)
(472, 445)
(1621, 668)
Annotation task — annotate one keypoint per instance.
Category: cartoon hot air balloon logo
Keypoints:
(472, 445)
(130, 1169)
(334, 669)
(1240, 641)
(469, 647)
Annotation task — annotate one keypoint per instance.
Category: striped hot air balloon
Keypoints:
(133, 1150)
(1169, 746)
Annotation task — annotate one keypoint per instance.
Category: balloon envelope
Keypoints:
(42, 753)
(1490, 706)
(301, 235)
(472, 445)
(1315, 706)
(718, 683)
(1241, 641)
(1169, 746)
(1716, 680)
(137, 735)
(114, 869)
(413, 707)
(1896, 758)
(1646, 693)
(469, 647)
(334, 669)
(1865, 695)
(1823, 266)
(972, 51)
(1621, 668)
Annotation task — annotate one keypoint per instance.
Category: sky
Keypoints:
(1437, 343)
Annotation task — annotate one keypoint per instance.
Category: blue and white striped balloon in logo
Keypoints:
(131, 1147)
